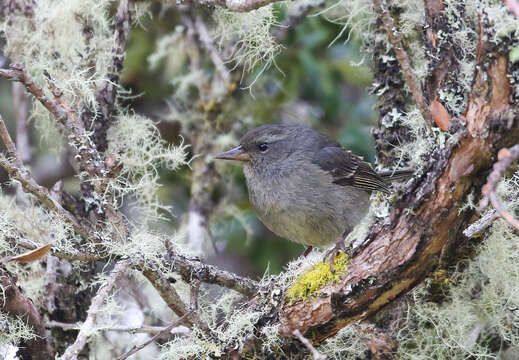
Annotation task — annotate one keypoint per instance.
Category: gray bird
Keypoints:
(304, 186)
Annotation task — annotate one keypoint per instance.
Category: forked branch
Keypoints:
(505, 159)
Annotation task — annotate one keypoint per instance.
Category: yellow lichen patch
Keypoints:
(310, 282)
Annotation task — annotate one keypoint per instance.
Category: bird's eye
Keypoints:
(263, 147)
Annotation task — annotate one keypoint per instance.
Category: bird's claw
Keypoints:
(333, 252)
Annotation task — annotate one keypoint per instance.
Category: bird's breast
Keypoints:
(303, 205)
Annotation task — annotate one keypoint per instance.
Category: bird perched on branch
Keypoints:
(304, 186)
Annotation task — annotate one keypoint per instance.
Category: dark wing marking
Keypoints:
(349, 169)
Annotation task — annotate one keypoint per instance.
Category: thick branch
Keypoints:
(14, 303)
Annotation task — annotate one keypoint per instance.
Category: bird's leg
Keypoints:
(339, 246)
(308, 251)
(333, 252)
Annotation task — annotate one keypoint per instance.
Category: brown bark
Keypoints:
(17, 305)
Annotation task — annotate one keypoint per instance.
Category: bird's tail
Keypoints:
(390, 176)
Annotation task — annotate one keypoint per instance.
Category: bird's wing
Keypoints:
(349, 169)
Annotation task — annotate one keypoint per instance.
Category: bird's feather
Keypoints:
(349, 169)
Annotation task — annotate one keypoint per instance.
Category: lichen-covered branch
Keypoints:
(235, 5)
(107, 93)
(85, 151)
(88, 327)
(194, 269)
(16, 304)
(403, 59)
(481, 224)
(18, 172)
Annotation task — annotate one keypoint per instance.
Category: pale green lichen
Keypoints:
(138, 146)
(70, 39)
(310, 282)
(356, 17)
(14, 330)
(479, 317)
(249, 35)
(347, 344)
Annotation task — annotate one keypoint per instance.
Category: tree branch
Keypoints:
(166, 330)
(17, 305)
(505, 158)
(19, 173)
(195, 269)
(72, 352)
(315, 354)
(85, 151)
(219, 65)
(170, 296)
(144, 329)
(403, 60)
(481, 224)
(107, 93)
(234, 5)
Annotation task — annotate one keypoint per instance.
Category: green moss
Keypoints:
(310, 282)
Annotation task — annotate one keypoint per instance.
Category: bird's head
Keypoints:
(269, 145)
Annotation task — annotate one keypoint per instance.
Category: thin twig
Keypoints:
(505, 158)
(206, 40)
(18, 172)
(234, 5)
(145, 329)
(315, 354)
(403, 60)
(195, 269)
(481, 224)
(167, 329)
(88, 327)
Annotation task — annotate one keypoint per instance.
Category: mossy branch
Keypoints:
(18, 172)
(403, 59)
(16, 304)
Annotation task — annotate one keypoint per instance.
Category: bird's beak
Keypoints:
(238, 153)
